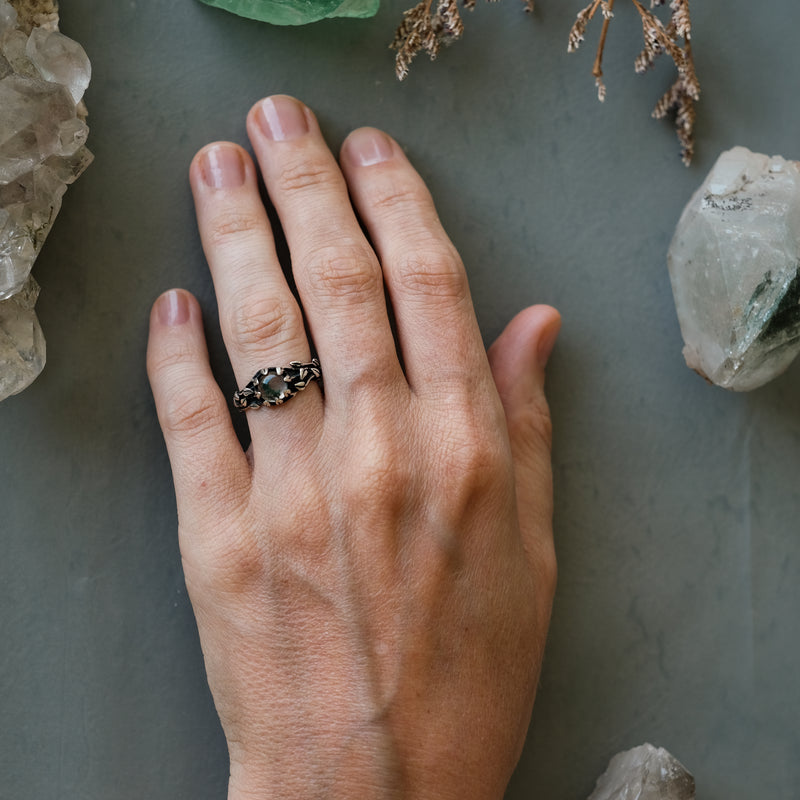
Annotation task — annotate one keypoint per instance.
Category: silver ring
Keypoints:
(273, 386)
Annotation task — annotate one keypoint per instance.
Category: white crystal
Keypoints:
(8, 18)
(60, 59)
(644, 773)
(734, 263)
(43, 76)
(22, 346)
(42, 139)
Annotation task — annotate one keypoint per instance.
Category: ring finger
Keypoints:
(261, 322)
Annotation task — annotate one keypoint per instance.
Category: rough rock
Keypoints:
(644, 773)
(43, 75)
(734, 263)
(22, 346)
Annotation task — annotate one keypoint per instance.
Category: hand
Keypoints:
(373, 579)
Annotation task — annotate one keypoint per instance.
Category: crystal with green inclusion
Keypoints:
(297, 12)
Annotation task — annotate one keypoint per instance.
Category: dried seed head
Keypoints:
(669, 100)
(411, 37)
(448, 23)
(678, 99)
(681, 19)
(431, 44)
(645, 60)
(578, 30)
(601, 89)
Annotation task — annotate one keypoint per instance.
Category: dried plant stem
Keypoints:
(597, 69)
(433, 23)
(679, 100)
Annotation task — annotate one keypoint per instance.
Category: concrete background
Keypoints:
(676, 620)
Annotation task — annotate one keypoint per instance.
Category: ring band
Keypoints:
(273, 386)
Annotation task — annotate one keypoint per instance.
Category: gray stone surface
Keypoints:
(676, 503)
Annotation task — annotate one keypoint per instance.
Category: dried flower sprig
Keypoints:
(658, 39)
(427, 28)
(424, 28)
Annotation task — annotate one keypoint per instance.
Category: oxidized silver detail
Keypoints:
(292, 379)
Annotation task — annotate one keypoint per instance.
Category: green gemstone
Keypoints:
(273, 387)
(297, 12)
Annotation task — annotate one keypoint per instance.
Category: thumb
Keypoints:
(518, 360)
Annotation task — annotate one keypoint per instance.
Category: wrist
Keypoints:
(339, 772)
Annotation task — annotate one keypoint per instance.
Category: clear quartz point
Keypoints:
(60, 60)
(644, 773)
(22, 346)
(734, 264)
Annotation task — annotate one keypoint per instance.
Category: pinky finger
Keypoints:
(209, 468)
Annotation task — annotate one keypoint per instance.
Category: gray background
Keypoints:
(676, 619)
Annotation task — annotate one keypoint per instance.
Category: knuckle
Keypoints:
(288, 523)
(231, 225)
(257, 320)
(478, 459)
(379, 478)
(436, 273)
(235, 564)
(305, 174)
(395, 196)
(188, 414)
(477, 464)
(344, 273)
(243, 560)
(166, 360)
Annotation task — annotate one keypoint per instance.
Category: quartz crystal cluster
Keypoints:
(43, 75)
(644, 773)
(734, 263)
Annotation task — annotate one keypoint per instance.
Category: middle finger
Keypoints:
(337, 273)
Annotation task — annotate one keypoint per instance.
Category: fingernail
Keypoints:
(282, 118)
(222, 167)
(173, 308)
(368, 146)
(547, 342)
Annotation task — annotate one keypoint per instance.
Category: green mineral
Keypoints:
(297, 12)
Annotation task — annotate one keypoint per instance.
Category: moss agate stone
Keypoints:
(297, 12)
(734, 264)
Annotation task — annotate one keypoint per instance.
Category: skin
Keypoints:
(373, 578)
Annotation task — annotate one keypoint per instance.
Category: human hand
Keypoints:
(373, 579)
